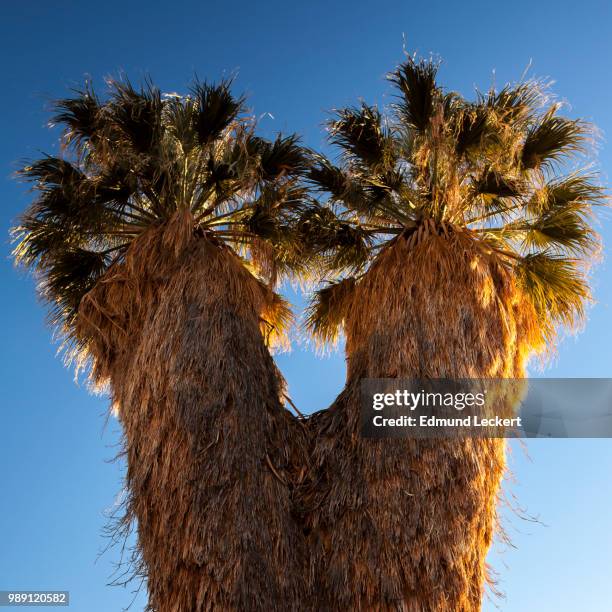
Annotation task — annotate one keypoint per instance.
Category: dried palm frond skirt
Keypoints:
(406, 524)
(210, 448)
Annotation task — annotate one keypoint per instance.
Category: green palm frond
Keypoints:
(565, 190)
(70, 274)
(51, 172)
(552, 139)
(471, 127)
(328, 309)
(326, 177)
(351, 249)
(360, 133)
(71, 209)
(282, 157)
(38, 240)
(78, 115)
(562, 228)
(514, 104)
(134, 115)
(317, 228)
(215, 109)
(557, 286)
(416, 82)
(495, 185)
(341, 245)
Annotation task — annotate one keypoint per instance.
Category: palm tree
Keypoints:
(157, 238)
(459, 247)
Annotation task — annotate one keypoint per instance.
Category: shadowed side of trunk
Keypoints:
(406, 524)
(209, 446)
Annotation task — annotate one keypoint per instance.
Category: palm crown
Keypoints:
(490, 167)
(136, 159)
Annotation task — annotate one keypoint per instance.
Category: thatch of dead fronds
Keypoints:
(211, 451)
(406, 524)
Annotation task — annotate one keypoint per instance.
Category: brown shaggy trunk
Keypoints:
(406, 524)
(209, 446)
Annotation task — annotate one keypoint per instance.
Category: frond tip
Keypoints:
(557, 287)
(327, 310)
(416, 82)
(216, 108)
(359, 132)
(552, 139)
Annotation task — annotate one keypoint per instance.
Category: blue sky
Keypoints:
(295, 61)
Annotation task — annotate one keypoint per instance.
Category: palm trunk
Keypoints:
(209, 446)
(406, 524)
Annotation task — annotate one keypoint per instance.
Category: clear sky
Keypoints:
(295, 60)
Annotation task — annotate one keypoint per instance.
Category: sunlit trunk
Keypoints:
(208, 443)
(406, 524)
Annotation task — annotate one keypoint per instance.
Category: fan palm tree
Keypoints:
(157, 238)
(459, 247)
